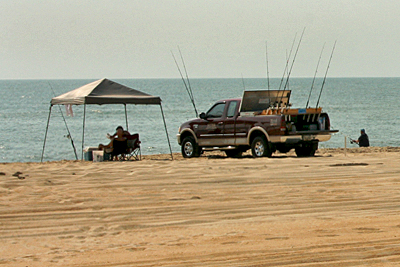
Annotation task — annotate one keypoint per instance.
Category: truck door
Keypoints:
(210, 130)
(242, 126)
(230, 123)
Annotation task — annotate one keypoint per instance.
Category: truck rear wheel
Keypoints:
(307, 149)
(260, 147)
(189, 148)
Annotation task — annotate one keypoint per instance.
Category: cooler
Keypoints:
(88, 153)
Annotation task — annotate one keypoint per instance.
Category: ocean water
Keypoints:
(352, 104)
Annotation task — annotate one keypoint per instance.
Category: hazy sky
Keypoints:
(48, 39)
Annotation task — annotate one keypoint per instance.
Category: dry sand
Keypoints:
(329, 210)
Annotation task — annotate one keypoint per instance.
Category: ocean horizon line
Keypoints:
(192, 78)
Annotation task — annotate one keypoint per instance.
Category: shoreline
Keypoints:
(221, 154)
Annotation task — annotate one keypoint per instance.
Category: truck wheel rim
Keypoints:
(188, 148)
(259, 149)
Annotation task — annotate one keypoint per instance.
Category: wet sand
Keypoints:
(334, 209)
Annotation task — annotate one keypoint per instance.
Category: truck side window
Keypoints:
(216, 111)
(231, 109)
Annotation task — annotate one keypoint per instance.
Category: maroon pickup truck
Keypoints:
(261, 121)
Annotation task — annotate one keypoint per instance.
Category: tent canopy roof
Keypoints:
(104, 91)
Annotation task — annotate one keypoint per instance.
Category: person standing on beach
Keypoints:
(363, 140)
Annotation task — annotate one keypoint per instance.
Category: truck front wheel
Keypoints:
(189, 148)
(260, 147)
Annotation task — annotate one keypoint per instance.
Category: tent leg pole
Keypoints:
(126, 118)
(166, 131)
(83, 128)
(45, 135)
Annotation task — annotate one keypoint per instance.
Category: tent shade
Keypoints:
(104, 91)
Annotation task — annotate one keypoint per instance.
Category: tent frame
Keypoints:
(83, 128)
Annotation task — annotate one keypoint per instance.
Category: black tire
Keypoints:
(233, 153)
(260, 147)
(189, 148)
(307, 149)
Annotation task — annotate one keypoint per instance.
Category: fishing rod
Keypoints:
(315, 74)
(69, 136)
(327, 68)
(186, 86)
(287, 63)
(352, 141)
(188, 81)
(291, 67)
(266, 56)
(244, 86)
(287, 58)
(284, 71)
(187, 77)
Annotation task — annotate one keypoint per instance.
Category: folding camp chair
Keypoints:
(118, 152)
(133, 152)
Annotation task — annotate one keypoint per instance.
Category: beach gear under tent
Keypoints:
(102, 92)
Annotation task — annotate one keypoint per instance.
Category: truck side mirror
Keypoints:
(203, 116)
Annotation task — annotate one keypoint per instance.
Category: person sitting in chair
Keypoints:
(125, 133)
(118, 144)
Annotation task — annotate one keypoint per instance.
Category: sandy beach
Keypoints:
(340, 208)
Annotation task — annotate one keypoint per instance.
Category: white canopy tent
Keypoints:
(102, 92)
